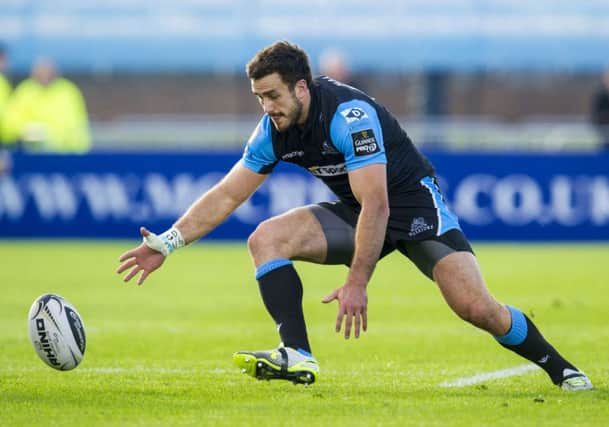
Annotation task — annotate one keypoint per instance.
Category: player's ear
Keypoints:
(301, 87)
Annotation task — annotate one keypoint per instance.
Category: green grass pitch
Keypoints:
(160, 354)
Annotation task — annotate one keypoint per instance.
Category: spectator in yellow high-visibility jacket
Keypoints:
(5, 91)
(47, 113)
(5, 85)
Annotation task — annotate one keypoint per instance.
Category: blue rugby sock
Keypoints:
(281, 291)
(524, 339)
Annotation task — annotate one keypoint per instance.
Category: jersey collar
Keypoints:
(313, 109)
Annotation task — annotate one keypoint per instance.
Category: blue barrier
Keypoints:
(497, 196)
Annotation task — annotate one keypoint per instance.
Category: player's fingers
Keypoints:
(144, 231)
(364, 320)
(357, 324)
(331, 297)
(126, 265)
(145, 274)
(132, 273)
(339, 319)
(127, 255)
(348, 323)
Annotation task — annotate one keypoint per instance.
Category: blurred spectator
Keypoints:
(5, 90)
(5, 86)
(334, 64)
(47, 113)
(600, 111)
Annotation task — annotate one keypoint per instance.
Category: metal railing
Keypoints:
(228, 132)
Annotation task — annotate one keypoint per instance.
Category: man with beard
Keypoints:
(388, 200)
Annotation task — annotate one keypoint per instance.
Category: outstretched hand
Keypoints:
(352, 307)
(142, 258)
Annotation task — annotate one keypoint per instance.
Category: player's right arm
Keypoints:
(202, 216)
(212, 208)
(238, 185)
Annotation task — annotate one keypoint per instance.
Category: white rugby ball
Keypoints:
(57, 332)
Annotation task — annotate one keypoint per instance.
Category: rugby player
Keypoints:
(388, 200)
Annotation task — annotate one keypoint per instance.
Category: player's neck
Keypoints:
(304, 115)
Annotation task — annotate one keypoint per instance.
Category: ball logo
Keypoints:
(45, 344)
(77, 330)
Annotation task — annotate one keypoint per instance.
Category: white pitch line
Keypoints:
(479, 378)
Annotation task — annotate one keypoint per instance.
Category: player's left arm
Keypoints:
(357, 133)
(369, 185)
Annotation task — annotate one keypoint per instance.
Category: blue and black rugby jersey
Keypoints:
(345, 130)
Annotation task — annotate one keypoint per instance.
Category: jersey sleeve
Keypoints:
(259, 155)
(356, 132)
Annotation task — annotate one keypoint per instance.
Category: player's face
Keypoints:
(283, 105)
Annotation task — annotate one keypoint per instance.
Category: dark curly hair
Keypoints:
(284, 58)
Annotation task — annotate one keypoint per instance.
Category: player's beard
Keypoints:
(293, 116)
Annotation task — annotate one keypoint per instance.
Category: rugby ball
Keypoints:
(57, 332)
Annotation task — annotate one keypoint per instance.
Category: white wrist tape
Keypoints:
(166, 242)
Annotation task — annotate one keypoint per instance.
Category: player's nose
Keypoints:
(267, 106)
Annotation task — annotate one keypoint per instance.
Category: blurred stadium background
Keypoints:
(498, 93)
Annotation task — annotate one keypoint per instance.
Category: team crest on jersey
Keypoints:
(353, 114)
(326, 148)
(364, 143)
(418, 226)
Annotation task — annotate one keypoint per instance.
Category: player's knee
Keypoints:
(259, 238)
(479, 313)
(265, 238)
